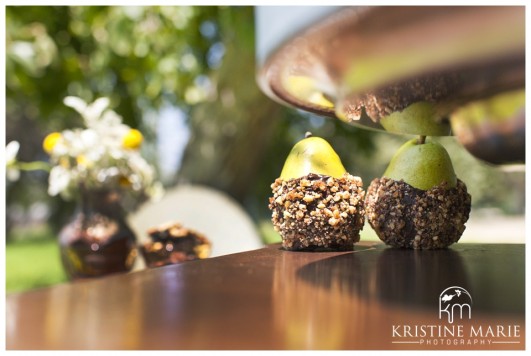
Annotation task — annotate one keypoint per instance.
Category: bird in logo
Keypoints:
(447, 297)
(458, 292)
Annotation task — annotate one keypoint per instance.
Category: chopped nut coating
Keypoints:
(324, 213)
(404, 216)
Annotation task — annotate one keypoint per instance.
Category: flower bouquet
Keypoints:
(101, 168)
(104, 155)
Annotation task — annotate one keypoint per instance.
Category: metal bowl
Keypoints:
(405, 70)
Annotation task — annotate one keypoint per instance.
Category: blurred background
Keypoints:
(185, 77)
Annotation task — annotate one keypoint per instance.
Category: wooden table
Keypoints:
(275, 299)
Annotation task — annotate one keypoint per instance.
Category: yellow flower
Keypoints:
(132, 139)
(50, 141)
(82, 160)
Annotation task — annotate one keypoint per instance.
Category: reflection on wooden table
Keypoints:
(372, 298)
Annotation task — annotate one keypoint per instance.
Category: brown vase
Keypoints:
(98, 240)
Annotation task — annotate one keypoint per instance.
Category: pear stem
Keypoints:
(421, 140)
(308, 134)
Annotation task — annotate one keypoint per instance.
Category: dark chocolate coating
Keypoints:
(407, 217)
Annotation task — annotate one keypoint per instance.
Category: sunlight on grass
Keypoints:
(33, 264)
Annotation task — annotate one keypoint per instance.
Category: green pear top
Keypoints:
(422, 165)
(312, 155)
(420, 118)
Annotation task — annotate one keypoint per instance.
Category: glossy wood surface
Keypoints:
(275, 299)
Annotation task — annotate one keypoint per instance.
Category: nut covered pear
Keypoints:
(419, 202)
(312, 155)
(316, 204)
(416, 119)
(422, 166)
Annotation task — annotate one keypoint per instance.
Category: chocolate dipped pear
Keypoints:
(316, 203)
(419, 202)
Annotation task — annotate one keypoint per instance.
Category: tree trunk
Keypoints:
(231, 135)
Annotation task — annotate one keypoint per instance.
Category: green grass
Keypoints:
(33, 264)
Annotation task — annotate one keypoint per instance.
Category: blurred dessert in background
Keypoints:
(173, 243)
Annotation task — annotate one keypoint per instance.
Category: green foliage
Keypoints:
(138, 56)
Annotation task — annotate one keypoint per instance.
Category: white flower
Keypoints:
(111, 119)
(75, 103)
(58, 181)
(13, 173)
(69, 145)
(92, 112)
(95, 154)
(96, 157)
(89, 138)
(117, 153)
(11, 152)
